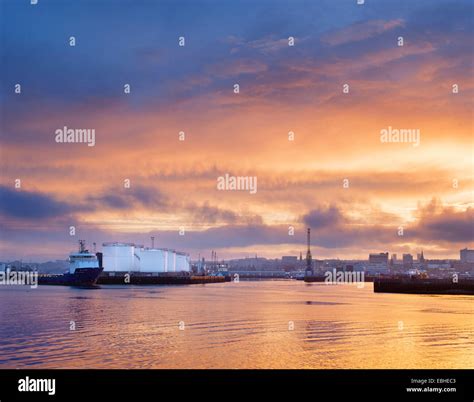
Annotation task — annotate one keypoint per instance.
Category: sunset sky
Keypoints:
(427, 189)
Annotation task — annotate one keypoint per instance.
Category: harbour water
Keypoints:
(260, 324)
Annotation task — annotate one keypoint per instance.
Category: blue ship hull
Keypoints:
(81, 277)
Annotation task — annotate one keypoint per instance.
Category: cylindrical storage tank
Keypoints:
(118, 257)
(171, 267)
(152, 260)
(182, 262)
(137, 253)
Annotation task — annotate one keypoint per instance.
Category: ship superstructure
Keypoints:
(84, 269)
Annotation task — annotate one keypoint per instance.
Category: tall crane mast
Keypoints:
(309, 264)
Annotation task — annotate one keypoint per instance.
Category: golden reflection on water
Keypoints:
(263, 324)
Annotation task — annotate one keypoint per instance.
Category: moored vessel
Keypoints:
(84, 269)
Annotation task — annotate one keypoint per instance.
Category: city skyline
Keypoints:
(211, 255)
(341, 172)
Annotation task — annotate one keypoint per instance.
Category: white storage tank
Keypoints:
(182, 262)
(152, 260)
(136, 258)
(118, 257)
(171, 263)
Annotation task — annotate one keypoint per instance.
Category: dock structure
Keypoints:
(125, 278)
(425, 286)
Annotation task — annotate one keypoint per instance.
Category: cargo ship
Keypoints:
(84, 270)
